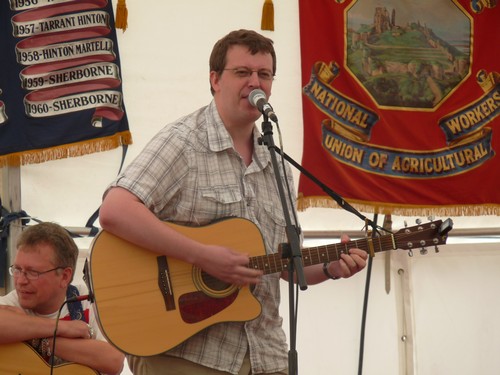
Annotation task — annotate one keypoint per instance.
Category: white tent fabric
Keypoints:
(445, 303)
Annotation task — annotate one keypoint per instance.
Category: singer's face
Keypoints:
(41, 294)
(232, 89)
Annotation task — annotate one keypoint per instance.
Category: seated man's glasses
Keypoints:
(29, 274)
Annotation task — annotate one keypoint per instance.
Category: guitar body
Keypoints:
(147, 304)
(21, 359)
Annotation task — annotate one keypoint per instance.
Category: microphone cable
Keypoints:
(51, 359)
(68, 300)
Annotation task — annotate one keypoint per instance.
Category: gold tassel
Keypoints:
(267, 16)
(121, 15)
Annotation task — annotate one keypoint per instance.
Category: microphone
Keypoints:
(258, 99)
(79, 298)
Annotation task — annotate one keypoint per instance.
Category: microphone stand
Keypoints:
(290, 250)
(346, 206)
(340, 201)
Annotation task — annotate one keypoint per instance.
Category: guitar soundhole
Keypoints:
(212, 283)
(212, 297)
(211, 286)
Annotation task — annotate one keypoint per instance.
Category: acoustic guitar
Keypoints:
(147, 303)
(21, 359)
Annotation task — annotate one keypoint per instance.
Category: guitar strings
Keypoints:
(272, 263)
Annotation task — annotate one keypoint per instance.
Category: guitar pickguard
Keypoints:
(197, 306)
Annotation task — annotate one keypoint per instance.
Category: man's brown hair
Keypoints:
(255, 42)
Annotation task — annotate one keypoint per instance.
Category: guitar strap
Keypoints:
(75, 308)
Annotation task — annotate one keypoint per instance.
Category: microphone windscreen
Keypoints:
(256, 95)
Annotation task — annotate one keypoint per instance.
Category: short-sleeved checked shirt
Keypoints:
(190, 174)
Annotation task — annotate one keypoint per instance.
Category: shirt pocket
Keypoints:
(215, 203)
(272, 224)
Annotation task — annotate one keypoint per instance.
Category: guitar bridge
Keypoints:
(164, 283)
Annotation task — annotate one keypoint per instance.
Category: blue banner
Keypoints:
(60, 83)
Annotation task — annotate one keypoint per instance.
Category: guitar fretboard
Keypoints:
(320, 254)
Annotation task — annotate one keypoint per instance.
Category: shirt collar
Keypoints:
(219, 138)
(261, 152)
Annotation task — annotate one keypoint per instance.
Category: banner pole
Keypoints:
(11, 200)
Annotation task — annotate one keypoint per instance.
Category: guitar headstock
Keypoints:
(421, 236)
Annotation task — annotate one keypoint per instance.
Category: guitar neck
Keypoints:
(433, 233)
(273, 263)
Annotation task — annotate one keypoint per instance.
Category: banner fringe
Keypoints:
(65, 151)
(304, 203)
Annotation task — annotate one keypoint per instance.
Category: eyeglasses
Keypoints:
(30, 274)
(243, 72)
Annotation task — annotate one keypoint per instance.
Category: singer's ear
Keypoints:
(214, 81)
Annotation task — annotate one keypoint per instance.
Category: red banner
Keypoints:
(400, 102)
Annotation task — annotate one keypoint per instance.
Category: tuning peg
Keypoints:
(431, 217)
(410, 253)
(406, 224)
(436, 241)
(418, 221)
(423, 251)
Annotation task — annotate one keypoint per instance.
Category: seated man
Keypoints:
(43, 269)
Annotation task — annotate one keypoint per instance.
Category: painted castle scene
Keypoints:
(405, 61)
